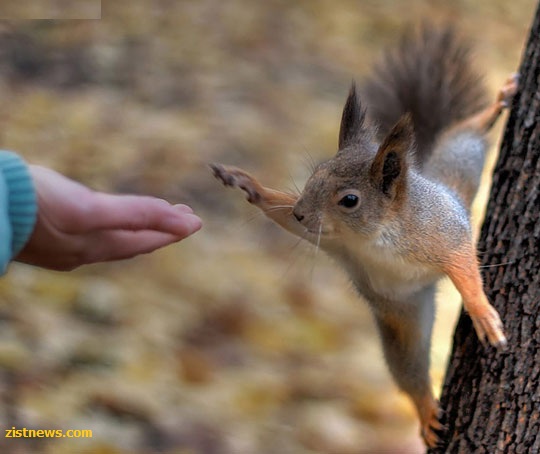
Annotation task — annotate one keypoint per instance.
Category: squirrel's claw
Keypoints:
(489, 325)
(431, 425)
(234, 177)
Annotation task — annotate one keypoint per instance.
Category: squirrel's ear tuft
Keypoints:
(352, 119)
(389, 168)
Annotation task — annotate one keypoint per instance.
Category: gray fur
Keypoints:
(457, 161)
(429, 74)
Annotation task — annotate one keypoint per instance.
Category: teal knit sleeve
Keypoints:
(18, 207)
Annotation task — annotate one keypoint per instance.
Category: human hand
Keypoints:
(77, 226)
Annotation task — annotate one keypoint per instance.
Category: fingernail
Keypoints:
(193, 222)
(183, 208)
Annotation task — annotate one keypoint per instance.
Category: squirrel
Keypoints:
(392, 206)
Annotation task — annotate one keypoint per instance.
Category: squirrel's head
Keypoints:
(361, 187)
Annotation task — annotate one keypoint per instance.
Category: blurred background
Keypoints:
(237, 340)
(50, 9)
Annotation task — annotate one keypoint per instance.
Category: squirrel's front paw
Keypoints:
(488, 325)
(430, 424)
(235, 177)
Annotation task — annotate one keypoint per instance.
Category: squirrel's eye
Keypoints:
(349, 201)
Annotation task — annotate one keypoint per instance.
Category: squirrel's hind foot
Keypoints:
(508, 91)
(484, 120)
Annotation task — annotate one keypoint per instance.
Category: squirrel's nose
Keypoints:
(299, 217)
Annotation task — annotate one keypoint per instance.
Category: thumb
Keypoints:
(131, 212)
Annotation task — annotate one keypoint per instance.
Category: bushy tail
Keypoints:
(430, 75)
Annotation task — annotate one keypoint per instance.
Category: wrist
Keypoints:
(21, 204)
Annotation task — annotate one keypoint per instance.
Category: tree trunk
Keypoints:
(491, 399)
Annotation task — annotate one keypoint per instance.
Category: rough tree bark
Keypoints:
(491, 399)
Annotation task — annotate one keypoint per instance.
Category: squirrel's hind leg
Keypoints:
(484, 120)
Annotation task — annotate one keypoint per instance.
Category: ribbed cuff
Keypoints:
(22, 205)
